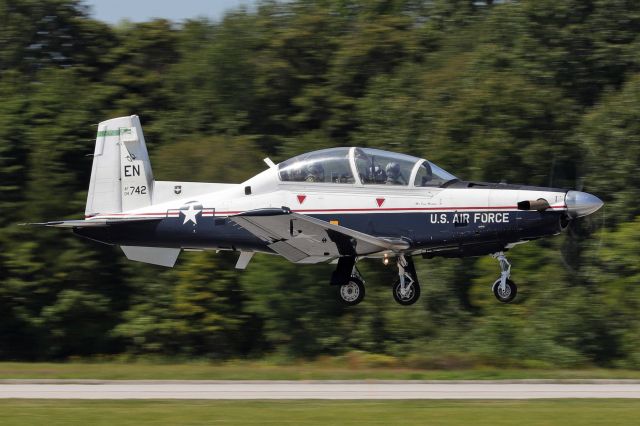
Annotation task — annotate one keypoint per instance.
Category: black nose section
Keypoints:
(582, 203)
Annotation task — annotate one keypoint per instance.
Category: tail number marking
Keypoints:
(135, 190)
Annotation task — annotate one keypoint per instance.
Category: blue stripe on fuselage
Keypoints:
(443, 228)
(423, 229)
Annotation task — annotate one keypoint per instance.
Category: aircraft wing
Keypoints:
(94, 222)
(304, 239)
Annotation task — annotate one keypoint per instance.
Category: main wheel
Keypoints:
(411, 295)
(509, 293)
(352, 292)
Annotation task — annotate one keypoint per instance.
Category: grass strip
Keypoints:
(494, 413)
(265, 371)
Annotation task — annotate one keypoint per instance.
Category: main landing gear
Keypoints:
(348, 281)
(406, 290)
(350, 284)
(503, 288)
(352, 292)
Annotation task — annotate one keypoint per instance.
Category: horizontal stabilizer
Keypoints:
(154, 255)
(93, 223)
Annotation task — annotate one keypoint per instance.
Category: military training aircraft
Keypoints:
(335, 205)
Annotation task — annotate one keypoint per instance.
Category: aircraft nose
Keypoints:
(582, 203)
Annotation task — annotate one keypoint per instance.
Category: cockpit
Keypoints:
(363, 166)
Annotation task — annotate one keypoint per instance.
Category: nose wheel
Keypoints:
(507, 294)
(503, 288)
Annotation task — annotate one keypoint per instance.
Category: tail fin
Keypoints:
(121, 177)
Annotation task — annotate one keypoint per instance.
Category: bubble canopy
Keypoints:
(363, 166)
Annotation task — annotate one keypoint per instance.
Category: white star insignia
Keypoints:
(190, 214)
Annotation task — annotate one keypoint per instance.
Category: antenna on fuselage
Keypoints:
(270, 163)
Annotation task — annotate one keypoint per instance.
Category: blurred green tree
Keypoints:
(535, 92)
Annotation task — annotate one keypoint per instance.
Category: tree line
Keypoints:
(534, 92)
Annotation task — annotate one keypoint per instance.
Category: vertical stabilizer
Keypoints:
(121, 176)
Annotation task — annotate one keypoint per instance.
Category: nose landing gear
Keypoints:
(503, 288)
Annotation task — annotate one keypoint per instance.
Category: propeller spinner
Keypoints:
(582, 203)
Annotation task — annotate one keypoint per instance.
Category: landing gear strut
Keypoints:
(406, 290)
(350, 284)
(503, 288)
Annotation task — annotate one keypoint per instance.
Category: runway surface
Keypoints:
(338, 390)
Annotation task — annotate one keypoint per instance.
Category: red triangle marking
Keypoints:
(380, 201)
(301, 198)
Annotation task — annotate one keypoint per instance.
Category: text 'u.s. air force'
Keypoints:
(462, 218)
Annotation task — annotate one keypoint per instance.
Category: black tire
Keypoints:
(352, 292)
(409, 299)
(511, 290)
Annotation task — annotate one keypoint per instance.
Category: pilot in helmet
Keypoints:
(394, 177)
(377, 175)
(315, 173)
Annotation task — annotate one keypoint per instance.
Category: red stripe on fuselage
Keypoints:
(361, 210)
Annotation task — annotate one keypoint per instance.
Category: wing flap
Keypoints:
(288, 251)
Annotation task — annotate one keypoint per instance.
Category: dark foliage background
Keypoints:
(538, 92)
